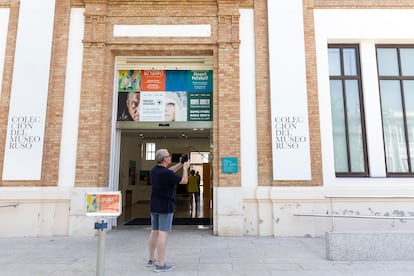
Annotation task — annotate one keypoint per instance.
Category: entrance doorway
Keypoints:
(162, 102)
(137, 149)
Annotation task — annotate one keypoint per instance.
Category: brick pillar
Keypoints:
(56, 94)
(93, 127)
(227, 131)
(228, 195)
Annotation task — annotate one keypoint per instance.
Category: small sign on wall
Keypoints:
(229, 164)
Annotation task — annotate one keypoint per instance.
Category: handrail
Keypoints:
(332, 215)
(367, 196)
(10, 205)
(350, 216)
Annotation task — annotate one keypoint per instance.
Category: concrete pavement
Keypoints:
(191, 250)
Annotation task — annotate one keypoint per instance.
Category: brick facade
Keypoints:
(259, 206)
(101, 48)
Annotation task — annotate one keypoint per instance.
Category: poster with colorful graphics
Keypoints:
(153, 80)
(129, 80)
(165, 95)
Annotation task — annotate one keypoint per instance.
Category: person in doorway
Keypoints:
(163, 202)
(194, 191)
(131, 109)
(198, 181)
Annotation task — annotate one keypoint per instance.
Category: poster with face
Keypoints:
(128, 106)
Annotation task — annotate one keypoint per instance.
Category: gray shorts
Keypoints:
(161, 222)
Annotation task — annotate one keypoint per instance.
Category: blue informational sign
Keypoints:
(229, 165)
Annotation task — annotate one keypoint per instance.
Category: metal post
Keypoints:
(100, 261)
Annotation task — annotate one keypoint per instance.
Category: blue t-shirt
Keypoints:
(163, 190)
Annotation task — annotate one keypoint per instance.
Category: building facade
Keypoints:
(311, 115)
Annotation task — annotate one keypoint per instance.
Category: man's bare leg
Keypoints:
(161, 246)
(152, 243)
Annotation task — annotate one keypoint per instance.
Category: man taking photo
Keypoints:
(163, 202)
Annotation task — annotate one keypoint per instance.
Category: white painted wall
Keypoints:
(43, 211)
(248, 127)
(274, 210)
(70, 121)
(367, 28)
(200, 30)
(40, 211)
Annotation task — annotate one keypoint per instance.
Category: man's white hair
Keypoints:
(160, 155)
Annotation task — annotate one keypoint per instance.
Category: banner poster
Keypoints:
(165, 95)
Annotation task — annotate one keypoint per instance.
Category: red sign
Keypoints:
(153, 80)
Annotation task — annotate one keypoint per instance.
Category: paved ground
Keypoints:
(192, 251)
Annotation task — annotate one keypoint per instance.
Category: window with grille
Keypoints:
(149, 151)
(396, 83)
(347, 111)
